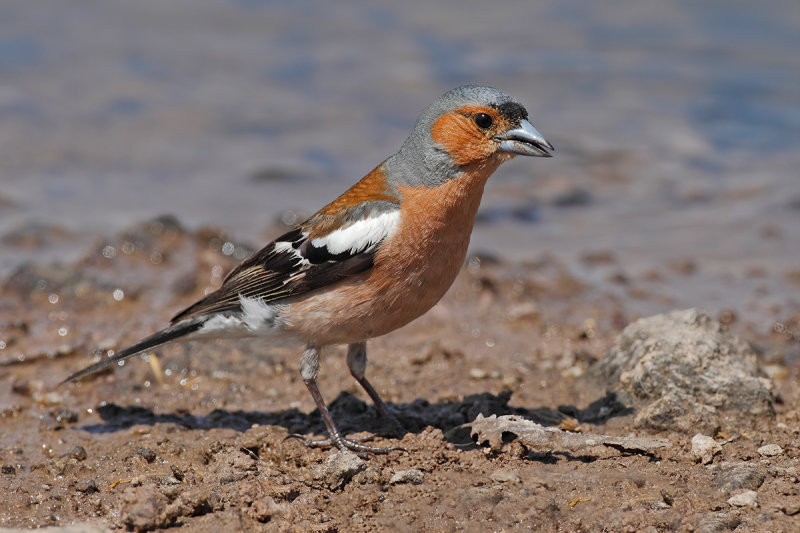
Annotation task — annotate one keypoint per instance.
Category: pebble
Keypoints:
(524, 311)
(88, 486)
(718, 522)
(479, 373)
(144, 509)
(770, 450)
(791, 508)
(748, 498)
(659, 505)
(704, 448)
(506, 475)
(265, 509)
(340, 468)
(413, 476)
(147, 454)
(730, 477)
(78, 453)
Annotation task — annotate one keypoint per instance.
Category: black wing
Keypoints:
(293, 265)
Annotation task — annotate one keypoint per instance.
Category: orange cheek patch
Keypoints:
(460, 138)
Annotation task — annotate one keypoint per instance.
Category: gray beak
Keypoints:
(525, 140)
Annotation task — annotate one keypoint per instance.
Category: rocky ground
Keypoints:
(676, 424)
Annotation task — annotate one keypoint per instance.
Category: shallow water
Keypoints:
(676, 128)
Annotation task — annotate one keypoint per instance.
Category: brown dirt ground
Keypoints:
(205, 448)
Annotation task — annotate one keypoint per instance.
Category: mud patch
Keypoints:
(206, 448)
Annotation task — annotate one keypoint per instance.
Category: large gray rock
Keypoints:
(683, 370)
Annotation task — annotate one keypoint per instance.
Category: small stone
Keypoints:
(704, 448)
(413, 476)
(420, 358)
(147, 454)
(659, 505)
(78, 453)
(67, 416)
(144, 510)
(169, 480)
(340, 468)
(730, 477)
(717, 522)
(265, 509)
(791, 508)
(177, 472)
(21, 387)
(506, 475)
(244, 462)
(196, 502)
(87, 486)
(9, 470)
(570, 424)
(478, 373)
(175, 477)
(523, 312)
(748, 498)
(770, 450)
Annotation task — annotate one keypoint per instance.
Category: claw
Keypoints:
(354, 445)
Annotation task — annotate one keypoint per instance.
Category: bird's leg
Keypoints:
(357, 363)
(309, 369)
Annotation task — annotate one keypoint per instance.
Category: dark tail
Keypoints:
(157, 339)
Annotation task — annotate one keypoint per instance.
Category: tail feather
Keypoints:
(164, 336)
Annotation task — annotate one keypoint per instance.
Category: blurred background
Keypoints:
(676, 127)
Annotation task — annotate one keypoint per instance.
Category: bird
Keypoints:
(375, 258)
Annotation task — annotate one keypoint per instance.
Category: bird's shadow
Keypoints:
(354, 415)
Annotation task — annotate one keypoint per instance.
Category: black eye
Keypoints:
(483, 120)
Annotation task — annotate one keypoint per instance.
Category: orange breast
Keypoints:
(412, 271)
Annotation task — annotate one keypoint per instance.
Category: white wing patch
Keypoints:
(360, 235)
(283, 247)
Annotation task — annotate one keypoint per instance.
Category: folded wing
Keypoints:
(296, 263)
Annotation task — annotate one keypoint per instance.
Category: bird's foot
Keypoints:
(354, 445)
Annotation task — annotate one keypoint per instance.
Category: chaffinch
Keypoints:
(379, 256)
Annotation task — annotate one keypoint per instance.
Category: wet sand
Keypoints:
(205, 448)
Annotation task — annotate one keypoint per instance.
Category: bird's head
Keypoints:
(473, 123)
(468, 125)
